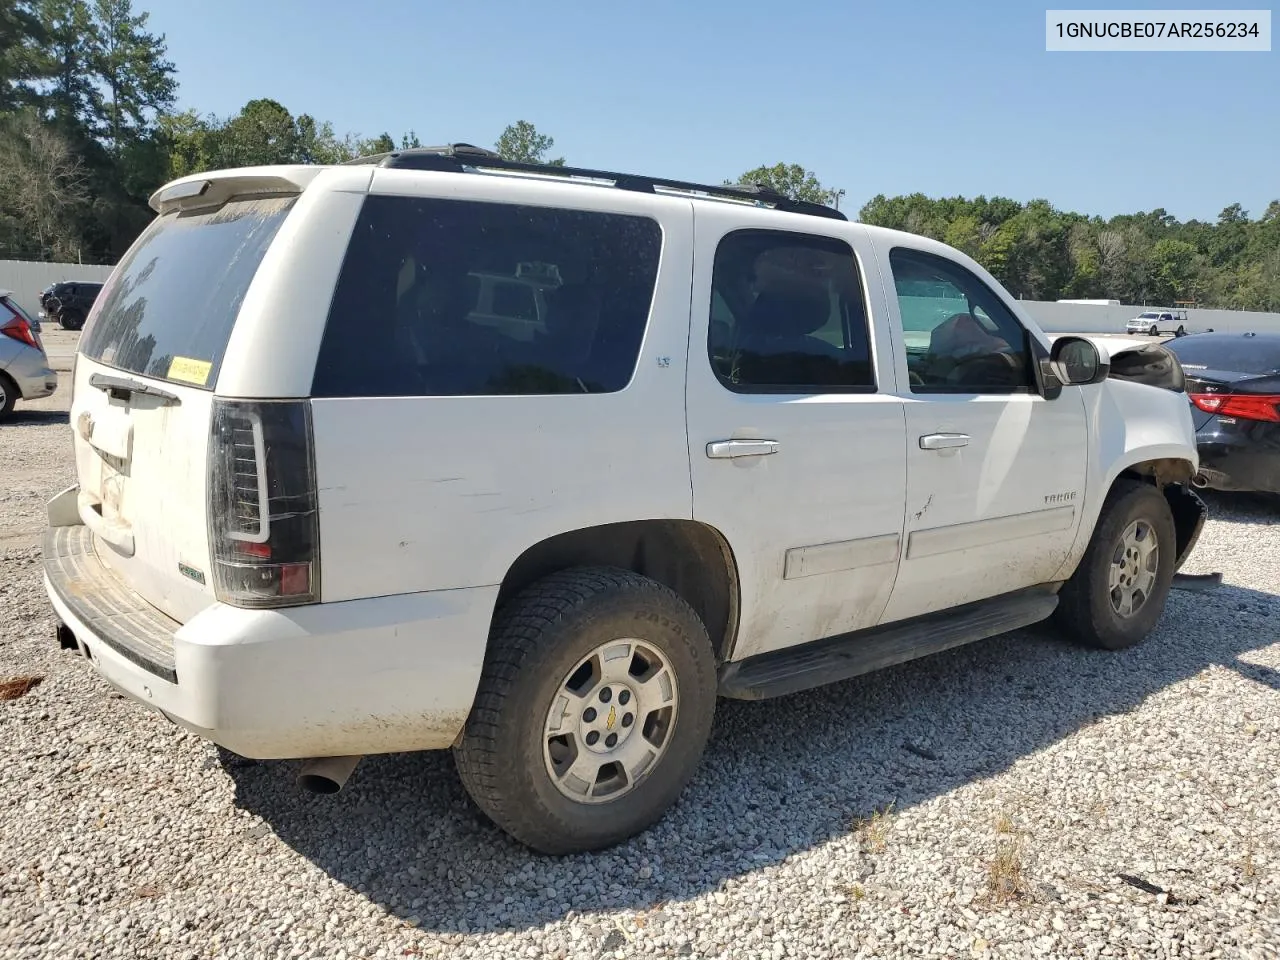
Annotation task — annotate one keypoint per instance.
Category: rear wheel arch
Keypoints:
(690, 558)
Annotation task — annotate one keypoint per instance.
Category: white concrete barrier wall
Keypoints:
(26, 279)
(1100, 318)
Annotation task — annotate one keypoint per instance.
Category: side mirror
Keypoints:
(1077, 361)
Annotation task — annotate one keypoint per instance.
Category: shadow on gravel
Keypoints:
(1243, 507)
(33, 418)
(779, 776)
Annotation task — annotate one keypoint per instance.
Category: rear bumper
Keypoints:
(34, 377)
(364, 676)
(1239, 467)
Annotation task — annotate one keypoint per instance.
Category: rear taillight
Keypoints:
(20, 330)
(264, 520)
(1246, 406)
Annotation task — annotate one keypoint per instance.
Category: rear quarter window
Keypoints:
(170, 307)
(409, 317)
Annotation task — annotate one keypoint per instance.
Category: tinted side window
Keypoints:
(788, 315)
(959, 337)
(406, 318)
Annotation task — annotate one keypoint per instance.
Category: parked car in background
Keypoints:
(25, 373)
(334, 498)
(69, 302)
(1233, 382)
(1156, 322)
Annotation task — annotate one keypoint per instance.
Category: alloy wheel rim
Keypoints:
(1134, 564)
(610, 721)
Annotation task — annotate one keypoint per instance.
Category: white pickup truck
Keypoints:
(1157, 322)
(329, 503)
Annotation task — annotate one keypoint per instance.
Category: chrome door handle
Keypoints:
(726, 449)
(943, 441)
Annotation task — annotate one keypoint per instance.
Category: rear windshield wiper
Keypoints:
(121, 387)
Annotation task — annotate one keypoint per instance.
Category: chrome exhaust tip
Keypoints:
(326, 775)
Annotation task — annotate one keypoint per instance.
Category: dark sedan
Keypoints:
(1233, 382)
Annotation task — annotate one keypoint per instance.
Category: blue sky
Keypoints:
(942, 98)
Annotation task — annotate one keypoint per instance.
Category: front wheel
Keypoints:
(1118, 592)
(593, 710)
(1180, 332)
(1154, 331)
(71, 320)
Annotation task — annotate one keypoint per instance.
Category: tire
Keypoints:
(541, 644)
(1154, 332)
(1180, 332)
(71, 320)
(1087, 609)
(8, 395)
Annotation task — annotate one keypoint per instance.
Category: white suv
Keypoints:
(326, 508)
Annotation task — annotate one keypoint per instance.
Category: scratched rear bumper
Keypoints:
(381, 675)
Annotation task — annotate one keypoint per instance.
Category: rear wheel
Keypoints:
(8, 395)
(593, 710)
(1180, 332)
(1118, 592)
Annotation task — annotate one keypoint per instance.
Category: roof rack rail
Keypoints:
(457, 157)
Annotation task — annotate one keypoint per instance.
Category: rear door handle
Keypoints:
(943, 441)
(728, 449)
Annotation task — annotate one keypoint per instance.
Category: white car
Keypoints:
(325, 510)
(1157, 322)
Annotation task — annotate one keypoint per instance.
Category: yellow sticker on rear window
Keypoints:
(189, 371)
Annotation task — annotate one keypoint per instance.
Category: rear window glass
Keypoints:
(463, 298)
(10, 309)
(1237, 355)
(173, 300)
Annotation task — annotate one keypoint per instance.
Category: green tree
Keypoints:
(522, 142)
(965, 234)
(190, 143)
(70, 94)
(1174, 267)
(789, 179)
(317, 143)
(130, 65)
(262, 133)
(22, 64)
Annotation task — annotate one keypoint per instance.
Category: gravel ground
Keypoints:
(1015, 798)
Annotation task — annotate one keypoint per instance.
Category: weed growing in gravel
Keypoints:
(873, 831)
(1005, 881)
(854, 891)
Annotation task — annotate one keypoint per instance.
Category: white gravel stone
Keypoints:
(1130, 802)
